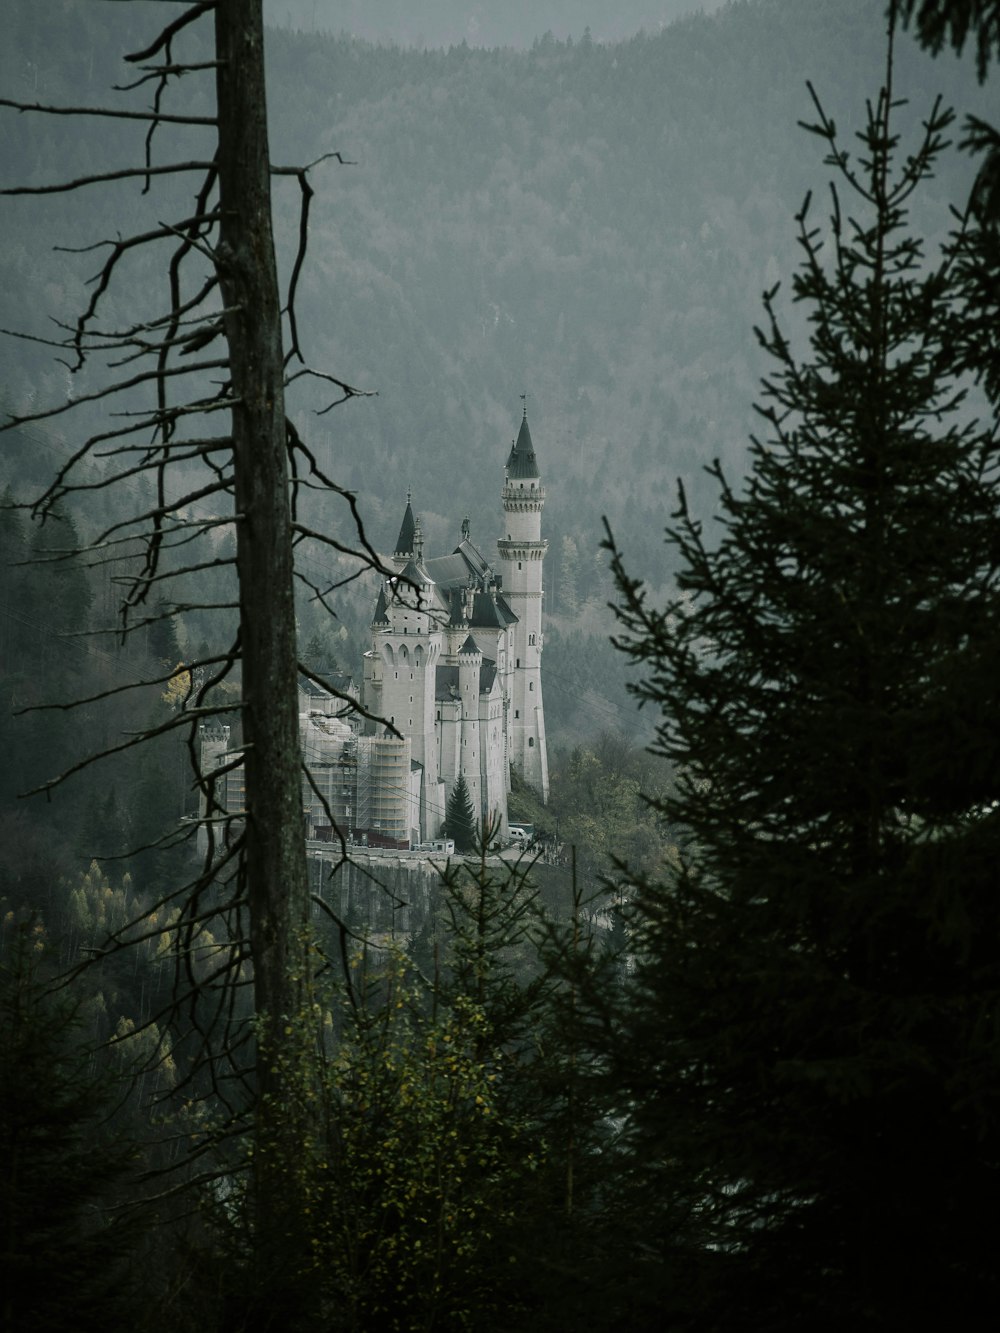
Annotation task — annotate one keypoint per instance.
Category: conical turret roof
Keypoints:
(522, 461)
(407, 532)
(381, 616)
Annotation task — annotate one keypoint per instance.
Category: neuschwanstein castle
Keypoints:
(454, 669)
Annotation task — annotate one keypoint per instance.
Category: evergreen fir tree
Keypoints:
(161, 636)
(811, 1065)
(460, 818)
(65, 1255)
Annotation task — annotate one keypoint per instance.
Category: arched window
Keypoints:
(531, 742)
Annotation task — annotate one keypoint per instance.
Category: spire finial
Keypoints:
(524, 404)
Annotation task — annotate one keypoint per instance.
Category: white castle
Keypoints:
(454, 671)
(455, 661)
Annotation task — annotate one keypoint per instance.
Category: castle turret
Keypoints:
(405, 543)
(522, 553)
(470, 661)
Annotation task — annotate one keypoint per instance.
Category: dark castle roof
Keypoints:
(486, 613)
(381, 616)
(407, 531)
(522, 461)
(414, 573)
(446, 680)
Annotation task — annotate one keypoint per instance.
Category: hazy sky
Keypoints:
(479, 22)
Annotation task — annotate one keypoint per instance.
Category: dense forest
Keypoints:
(590, 224)
(730, 1062)
(444, 23)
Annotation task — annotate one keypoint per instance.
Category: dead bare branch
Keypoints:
(104, 177)
(159, 116)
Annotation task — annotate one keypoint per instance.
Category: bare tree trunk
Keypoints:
(275, 853)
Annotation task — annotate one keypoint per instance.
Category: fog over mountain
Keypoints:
(514, 23)
(591, 224)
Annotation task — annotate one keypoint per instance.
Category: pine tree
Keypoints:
(460, 818)
(811, 1064)
(66, 1247)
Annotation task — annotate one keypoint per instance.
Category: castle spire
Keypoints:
(522, 555)
(522, 461)
(407, 531)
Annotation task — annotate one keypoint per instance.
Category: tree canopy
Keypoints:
(807, 1059)
(460, 819)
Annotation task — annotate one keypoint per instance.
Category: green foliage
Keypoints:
(460, 820)
(65, 1253)
(952, 22)
(419, 1183)
(453, 1182)
(812, 1093)
(602, 793)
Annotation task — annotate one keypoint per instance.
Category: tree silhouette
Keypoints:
(815, 1142)
(208, 360)
(460, 819)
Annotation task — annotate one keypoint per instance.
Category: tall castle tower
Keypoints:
(407, 639)
(522, 553)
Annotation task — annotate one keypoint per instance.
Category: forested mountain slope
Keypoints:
(449, 22)
(588, 224)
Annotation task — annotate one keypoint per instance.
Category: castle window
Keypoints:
(531, 684)
(531, 742)
(519, 564)
(531, 638)
(517, 662)
(517, 712)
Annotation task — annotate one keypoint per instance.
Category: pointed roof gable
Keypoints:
(456, 602)
(474, 558)
(521, 461)
(486, 613)
(407, 531)
(470, 648)
(381, 616)
(414, 572)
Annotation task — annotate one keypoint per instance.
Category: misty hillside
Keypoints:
(445, 23)
(589, 224)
